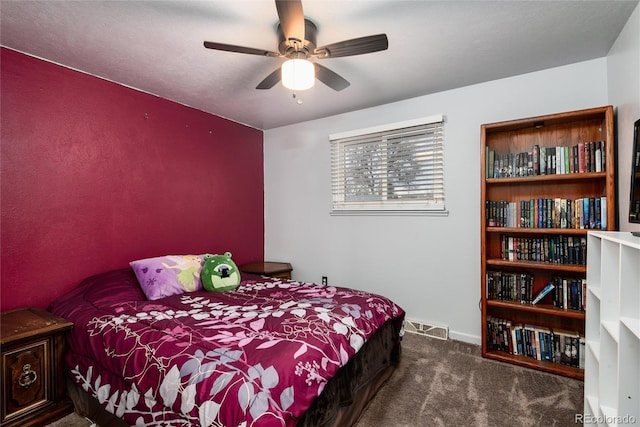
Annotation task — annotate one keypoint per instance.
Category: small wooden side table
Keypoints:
(32, 344)
(271, 269)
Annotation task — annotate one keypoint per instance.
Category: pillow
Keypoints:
(220, 273)
(168, 275)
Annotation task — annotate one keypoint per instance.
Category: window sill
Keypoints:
(380, 212)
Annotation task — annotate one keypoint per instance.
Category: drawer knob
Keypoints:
(27, 377)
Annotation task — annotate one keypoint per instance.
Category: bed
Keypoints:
(272, 352)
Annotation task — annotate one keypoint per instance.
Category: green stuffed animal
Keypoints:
(220, 273)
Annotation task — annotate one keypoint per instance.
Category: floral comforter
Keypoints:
(256, 356)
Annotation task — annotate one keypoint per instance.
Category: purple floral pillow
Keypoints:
(168, 275)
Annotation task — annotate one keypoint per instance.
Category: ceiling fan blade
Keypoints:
(352, 47)
(239, 49)
(291, 19)
(330, 78)
(271, 80)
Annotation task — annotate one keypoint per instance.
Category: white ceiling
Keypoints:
(157, 47)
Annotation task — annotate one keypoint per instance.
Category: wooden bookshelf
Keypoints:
(530, 198)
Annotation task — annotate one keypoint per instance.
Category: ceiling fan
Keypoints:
(297, 43)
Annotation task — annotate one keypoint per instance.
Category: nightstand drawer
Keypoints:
(28, 385)
(32, 377)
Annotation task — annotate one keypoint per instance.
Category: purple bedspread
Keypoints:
(256, 356)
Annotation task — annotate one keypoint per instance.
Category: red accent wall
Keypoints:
(95, 175)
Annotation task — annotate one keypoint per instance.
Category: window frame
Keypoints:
(378, 137)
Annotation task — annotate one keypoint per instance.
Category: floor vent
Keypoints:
(414, 327)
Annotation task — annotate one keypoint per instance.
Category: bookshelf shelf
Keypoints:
(537, 179)
(523, 230)
(565, 370)
(546, 309)
(538, 265)
(632, 324)
(546, 182)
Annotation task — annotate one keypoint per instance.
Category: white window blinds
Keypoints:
(397, 167)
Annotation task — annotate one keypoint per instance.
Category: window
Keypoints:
(397, 167)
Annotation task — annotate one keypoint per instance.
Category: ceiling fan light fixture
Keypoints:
(298, 74)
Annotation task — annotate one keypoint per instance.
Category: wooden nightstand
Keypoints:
(271, 269)
(32, 343)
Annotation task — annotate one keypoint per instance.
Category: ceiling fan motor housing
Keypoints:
(298, 49)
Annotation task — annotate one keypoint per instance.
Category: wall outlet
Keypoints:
(324, 280)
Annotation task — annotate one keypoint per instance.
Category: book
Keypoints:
(559, 160)
(585, 212)
(546, 352)
(529, 341)
(577, 214)
(511, 249)
(569, 346)
(486, 162)
(598, 156)
(519, 341)
(581, 158)
(557, 347)
(548, 288)
(575, 295)
(538, 345)
(549, 342)
(535, 153)
(508, 337)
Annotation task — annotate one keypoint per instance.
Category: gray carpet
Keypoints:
(447, 383)
(71, 420)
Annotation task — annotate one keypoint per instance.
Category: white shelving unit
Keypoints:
(612, 329)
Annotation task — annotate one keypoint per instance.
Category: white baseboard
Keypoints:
(460, 336)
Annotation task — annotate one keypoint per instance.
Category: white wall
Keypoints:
(428, 265)
(623, 69)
